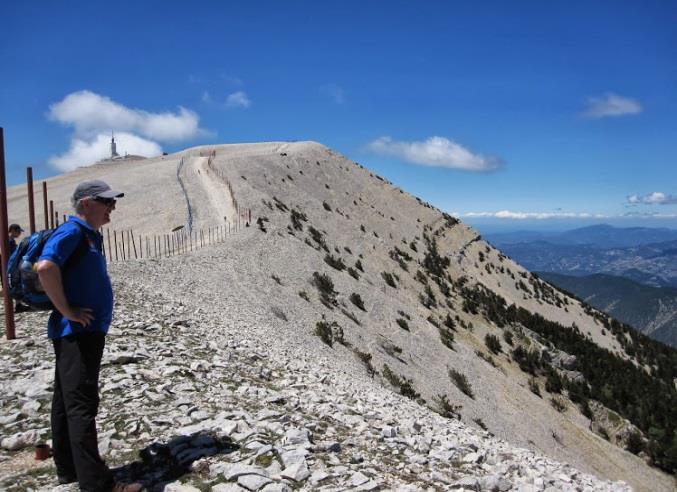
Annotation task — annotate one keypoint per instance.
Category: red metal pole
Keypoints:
(31, 204)
(4, 243)
(44, 201)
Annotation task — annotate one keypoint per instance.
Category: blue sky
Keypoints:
(513, 115)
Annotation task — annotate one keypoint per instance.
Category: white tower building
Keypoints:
(113, 148)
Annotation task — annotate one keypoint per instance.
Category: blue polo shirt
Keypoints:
(85, 282)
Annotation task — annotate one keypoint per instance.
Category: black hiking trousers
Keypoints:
(74, 407)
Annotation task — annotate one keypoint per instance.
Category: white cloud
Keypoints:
(611, 105)
(507, 214)
(655, 198)
(238, 99)
(435, 151)
(91, 113)
(335, 92)
(84, 152)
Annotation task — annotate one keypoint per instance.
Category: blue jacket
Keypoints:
(86, 282)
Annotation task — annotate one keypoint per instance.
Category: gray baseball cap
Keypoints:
(94, 188)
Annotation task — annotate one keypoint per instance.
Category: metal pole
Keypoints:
(44, 202)
(4, 243)
(31, 204)
(51, 214)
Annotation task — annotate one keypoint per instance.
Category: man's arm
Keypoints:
(50, 278)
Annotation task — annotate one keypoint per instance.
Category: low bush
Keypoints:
(493, 343)
(325, 286)
(446, 409)
(329, 332)
(334, 262)
(389, 279)
(533, 386)
(357, 300)
(461, 382)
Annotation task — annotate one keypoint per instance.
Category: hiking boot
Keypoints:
(127, 487)
(65, 479)
(21, 308)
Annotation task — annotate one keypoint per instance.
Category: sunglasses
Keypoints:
(109, 202)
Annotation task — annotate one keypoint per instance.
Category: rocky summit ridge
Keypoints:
(312, 350)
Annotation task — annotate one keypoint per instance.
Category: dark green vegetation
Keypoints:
(329, 332)
(405, 385)
(461, 382)
(644, 394)
(648, 309)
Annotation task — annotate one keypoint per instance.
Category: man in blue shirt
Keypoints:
(82, 295)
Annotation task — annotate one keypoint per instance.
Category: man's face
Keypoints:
(14, 233)
(98, 210)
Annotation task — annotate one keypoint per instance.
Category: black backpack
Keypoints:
(22, 275)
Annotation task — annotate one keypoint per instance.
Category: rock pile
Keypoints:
(189, 404)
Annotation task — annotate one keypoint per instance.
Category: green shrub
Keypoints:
(449, 323)
(357, 300)
(635, 443)
(403, 323)
(558, 404)
(365, 358)
(353, 273)
(533, 386)
(317, 236)
(493, 343)
(428, 298)
(446, 409)
(334, 262)
(461, 382)
(329, 332)
(325, 286)
(507, 336)
(304, 295)
(389, 279)
(358, 265)
(405, 385)
(447, 337)
(297, 218)
(554, 382)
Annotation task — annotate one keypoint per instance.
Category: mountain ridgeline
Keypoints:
(445, 278)
(388, 287)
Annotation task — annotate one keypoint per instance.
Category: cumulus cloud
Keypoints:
(334, 92)
(437, 152)
(507, 214)
(91, 113)
(238, 99)
(655, 198)
(84, 152)
(610, 105)
(93, 116)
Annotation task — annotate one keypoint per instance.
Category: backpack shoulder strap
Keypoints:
(80, 250)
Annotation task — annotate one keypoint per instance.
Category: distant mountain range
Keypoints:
(645, 255)
(600, 236)
(651, 310)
